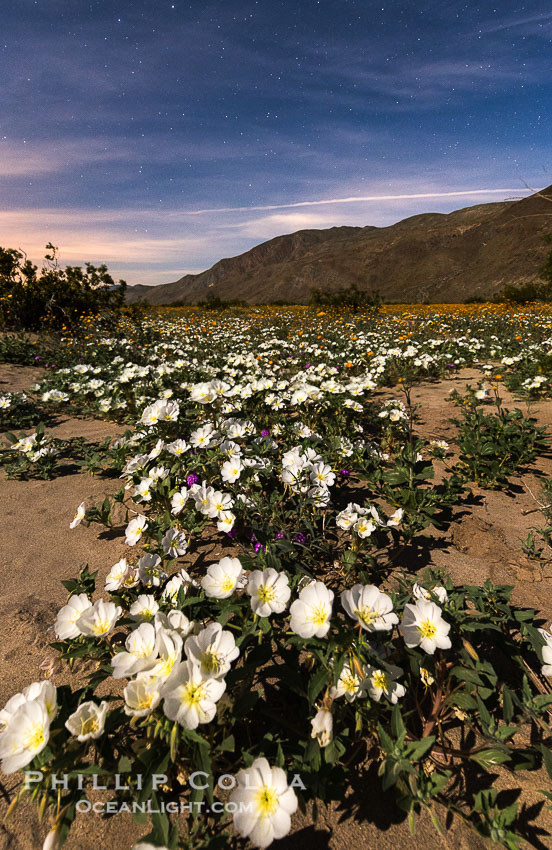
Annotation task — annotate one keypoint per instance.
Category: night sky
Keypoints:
(160, 136)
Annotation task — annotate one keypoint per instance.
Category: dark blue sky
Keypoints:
(131, 131)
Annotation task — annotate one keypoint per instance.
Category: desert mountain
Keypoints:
(432, 257)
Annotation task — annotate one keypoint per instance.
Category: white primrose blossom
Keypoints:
(222, 578)
(380, 681)
(547, 652)
(142, 696)
(174, 543)
(66, 621)
(190, 697)
(423, 625)
(264, 803)
(420, 592)
(269, 592)
(311, 612)
(370, 607)
(26, 735)
(213, 650)
(79, 516)
(144, 608)
(88, 721)
(135, 529)
(322, 727)
(140, 655)
(99, 619)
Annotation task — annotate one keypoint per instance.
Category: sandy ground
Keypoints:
(38, 550)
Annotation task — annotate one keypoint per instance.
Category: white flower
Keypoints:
(213, 649)
(346, 518)
(135, 529)
(88, 721)
(190, 698)
(547, 652)
(141, 696)
(231, 470)
(79, 516)
(149, 571)
(99, 619)
(322, 727)
(142, 491)
(179, 500)
(174, 543)
(396, 518)
(381, 680)
(169, 646)
(321, 474)
(311, 612)
(27, 734)
(268, 803)
(226, 520)
(175, 620)
(120, 575)
(203, 393)
(67, 618)
(144, 846)
(178, 447)
(222, 578)
(269, 592)
(144, 608)
(173, 586)
(423, 625)
(44, 692)
(372, 609)
(140, 655)
(547, 658)
(364, 527)
(420, 592)
(350, 685)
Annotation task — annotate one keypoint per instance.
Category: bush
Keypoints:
(350, 297)
(55, 298)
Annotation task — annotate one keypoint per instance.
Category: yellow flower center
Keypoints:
(144, 701)
(192, 694)
(34, 737)
(266, 593)
(366, 615)
(319, 615)
(100, 627)
(380, 680)
(210, 661)
(227, 584)
(89, 726)
(427, 629)
(349, 683)
(266, 801)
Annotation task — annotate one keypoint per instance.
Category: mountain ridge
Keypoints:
(471, 252)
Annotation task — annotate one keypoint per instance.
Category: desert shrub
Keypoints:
(55, 298)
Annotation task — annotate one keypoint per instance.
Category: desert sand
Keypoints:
(38, 550)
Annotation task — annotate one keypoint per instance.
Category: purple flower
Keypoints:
(345, 472)
(279, 535)
(265, 433)
(300, 538)
(37, 357)
(231, 533)
(192, 479)
(307, 365)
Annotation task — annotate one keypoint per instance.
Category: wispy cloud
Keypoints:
(356, 200)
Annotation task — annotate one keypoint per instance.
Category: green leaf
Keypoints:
(491, 757)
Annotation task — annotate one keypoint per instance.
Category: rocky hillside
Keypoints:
(430, 257)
